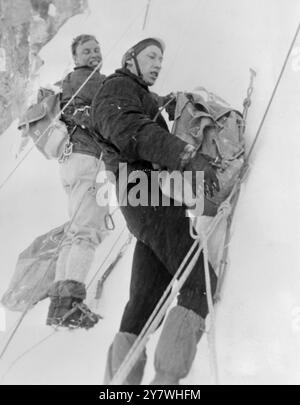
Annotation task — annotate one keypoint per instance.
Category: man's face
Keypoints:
(150, 61)
(88, 54)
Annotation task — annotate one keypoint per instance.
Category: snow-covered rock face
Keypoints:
(25, 27)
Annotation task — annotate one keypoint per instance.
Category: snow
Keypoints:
(258, 319)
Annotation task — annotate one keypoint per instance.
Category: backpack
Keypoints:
(215, 129)
(40, 123)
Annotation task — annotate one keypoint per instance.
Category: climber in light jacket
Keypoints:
(78, 173)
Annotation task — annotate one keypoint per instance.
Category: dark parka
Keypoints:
(76, 118)
(122, 113)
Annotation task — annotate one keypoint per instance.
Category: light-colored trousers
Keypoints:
(78, 175)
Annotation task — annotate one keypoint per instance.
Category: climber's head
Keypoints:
(144, 59)
(86, 51)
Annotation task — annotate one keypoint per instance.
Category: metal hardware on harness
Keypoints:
(84, 112)
(67, 152)
(85, 109)
(109, 222)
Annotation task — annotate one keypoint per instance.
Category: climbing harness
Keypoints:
(67, 152)
(109, 222)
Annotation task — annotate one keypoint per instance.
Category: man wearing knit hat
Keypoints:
(123, 114)
(132, 53)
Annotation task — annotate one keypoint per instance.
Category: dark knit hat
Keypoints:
(137, 48)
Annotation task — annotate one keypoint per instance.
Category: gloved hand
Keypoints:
(211, 182)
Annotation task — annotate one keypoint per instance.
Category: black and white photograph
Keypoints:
(149, 195)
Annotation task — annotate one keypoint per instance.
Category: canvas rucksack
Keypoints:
(41, 123)
(216, 129)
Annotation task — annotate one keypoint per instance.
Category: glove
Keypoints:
(200, 163)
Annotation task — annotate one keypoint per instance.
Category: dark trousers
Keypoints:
(163, 240)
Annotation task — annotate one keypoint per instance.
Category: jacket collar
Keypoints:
(139, 80)
(83, 67)
(97, 72)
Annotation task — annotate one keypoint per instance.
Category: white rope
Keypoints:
(164, 303)
(211, 334)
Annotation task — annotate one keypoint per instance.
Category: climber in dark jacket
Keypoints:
(78, 171)
(77, 114)
(123, 113)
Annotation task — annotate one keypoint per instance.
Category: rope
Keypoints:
(221, 271)
(211, 332)
(28, 306)
(106, 257)
(224, 210)
(47, 128)
(223, 264)
(67, 229)
(29, 350)
(235, 194)
(47, 337)
(146, 14)
(155, 318)
(274, 91)
(164, 106)
(11, 174)
(136, 349)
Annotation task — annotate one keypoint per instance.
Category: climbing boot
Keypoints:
(67, 308)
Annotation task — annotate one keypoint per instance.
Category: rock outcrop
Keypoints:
(25, 27)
